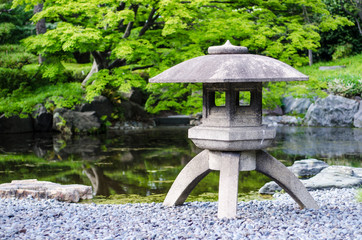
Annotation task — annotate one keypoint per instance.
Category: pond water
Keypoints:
(146, 162)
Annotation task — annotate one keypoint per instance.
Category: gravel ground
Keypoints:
(340, 217)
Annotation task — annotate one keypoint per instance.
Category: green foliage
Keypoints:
(78, 71)
(15, 56)
(180, 98)
(129, 35)
(346, 86)
(273, 92)
(14, 23)
(5, 30)
(332, 41)
(112, 83)
(53, 71)
(341, 81)
(24, 99)
(12, 79)
(342, 51)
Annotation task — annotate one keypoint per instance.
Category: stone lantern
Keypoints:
(232, 134)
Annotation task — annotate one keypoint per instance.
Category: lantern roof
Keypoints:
(227, 64)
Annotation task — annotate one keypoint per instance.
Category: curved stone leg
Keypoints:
(188, 178)
(274, 169)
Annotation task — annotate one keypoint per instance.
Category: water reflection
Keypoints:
(146, 162)
(334, 145)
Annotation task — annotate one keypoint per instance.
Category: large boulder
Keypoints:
(100, 105)
(45, 190)
(335, 177)
(16, 124)
(332, 111)
(307, 167)
(296, 105)
(134, 112)
(330, 177)
(68, 121)
(357, 121)
(282, 120)
(43, 120)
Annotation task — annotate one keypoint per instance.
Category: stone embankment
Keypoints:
(332, 111)
(84, 119)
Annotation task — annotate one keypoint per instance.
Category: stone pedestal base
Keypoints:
(229, 164)
(232, 138)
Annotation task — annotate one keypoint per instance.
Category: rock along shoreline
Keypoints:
(339, 217)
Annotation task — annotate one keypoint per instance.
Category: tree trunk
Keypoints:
(93, 70)
(310, 56)
(40, 27)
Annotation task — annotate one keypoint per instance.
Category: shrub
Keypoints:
(342, 51)
(15, 56)
(346, 86)
(23, 100)
(12, 79)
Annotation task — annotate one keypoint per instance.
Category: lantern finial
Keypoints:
(227, 48)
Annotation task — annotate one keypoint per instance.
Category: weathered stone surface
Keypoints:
(220, 68)
(282, 120)
(229, 164)
(296, 105)
(330, 177)
(274, 169)
(307, 167)
(357, 118)
(15, 124)
(133, 111)
(45, 190)
(277, 111)
(270, 188)
(68, 121)
(335, 177)
(100, 105)
(332, 111)
(232, 139)
(43, 120)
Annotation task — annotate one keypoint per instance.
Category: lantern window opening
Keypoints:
(220, 98)
(243, 98)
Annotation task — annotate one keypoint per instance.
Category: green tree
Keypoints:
(132, 36)
(14, 23)
(345, 39)
(354, 9)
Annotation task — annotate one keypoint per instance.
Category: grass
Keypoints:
(353, 69)
(346, 81)
(158, 198)
(359, 195)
